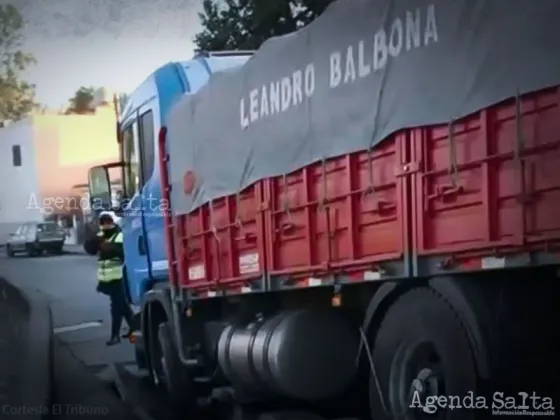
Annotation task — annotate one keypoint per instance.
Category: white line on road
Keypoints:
(76, 327)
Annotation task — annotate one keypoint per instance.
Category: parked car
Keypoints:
(34, 238)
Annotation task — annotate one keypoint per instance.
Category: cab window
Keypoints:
(131, 174)
(147, 140)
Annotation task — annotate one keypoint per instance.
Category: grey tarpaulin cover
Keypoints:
(364, 69)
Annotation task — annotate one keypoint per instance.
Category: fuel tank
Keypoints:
(303, 354)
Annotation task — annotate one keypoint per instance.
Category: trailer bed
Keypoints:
(481, 192)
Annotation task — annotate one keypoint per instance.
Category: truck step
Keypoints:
(193, 363)
(201, 380)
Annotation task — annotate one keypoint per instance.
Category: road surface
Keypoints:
(82, 323)
(80, 315)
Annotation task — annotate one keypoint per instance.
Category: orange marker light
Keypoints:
(336, 301)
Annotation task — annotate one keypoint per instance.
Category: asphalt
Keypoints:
(79, 393)
(81, 320)
(83, 365)
(13, 317)
(81, 317)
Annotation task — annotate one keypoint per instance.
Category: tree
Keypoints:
(81, 102)
(246, 24)
(16, 95)
(122, 100)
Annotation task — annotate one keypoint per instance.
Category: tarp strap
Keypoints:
(370, 188)
(453, 170)
(212, 220)
(323, 200)
(238, 222)
(520, 141)
(518, 155)
(285, 200)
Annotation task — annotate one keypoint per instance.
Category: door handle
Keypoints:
(141, 245)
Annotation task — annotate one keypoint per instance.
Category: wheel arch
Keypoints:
(377, 307)
(461, 298)
(155, 309)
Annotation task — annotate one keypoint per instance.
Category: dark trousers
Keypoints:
(119, 306)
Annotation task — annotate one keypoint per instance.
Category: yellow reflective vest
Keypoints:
(110, 269)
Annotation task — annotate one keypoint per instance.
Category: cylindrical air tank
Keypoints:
(302, 354)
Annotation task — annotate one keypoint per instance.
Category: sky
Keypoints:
(110, 43)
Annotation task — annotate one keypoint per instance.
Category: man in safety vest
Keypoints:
(108, 245)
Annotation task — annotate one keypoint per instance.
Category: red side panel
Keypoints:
(222, 242)
(482, 186)
(341, 214)
(504, 190)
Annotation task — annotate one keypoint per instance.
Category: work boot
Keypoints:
(113, 341)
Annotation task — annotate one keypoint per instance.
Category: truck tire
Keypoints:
(173, 374)
(406, 365)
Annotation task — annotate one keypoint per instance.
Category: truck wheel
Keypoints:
(421, 350)
(172, 373)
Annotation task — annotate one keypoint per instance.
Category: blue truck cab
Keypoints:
(140, 121)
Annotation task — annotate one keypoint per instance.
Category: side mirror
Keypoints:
(99, 185)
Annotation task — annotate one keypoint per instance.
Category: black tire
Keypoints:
(9, 251)
(30, 250)
(173, 374)
(420, 315)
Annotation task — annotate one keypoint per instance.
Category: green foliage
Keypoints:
(16, 95)
(246, 24)
(81, 102)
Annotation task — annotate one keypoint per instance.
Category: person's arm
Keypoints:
(114, 249)
(93, 245)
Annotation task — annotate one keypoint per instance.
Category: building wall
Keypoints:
(57, 152)
(68, 145)
(19, 187)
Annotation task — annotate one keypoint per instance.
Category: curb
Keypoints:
(35, 381)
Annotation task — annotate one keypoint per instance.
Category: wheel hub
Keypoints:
(416, 375)
(426, 384)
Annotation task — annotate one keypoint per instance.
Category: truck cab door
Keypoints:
(148, 123)
(131, 221)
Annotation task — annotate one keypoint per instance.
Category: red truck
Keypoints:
(376, 281)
